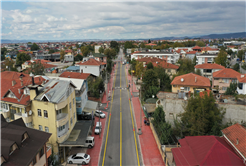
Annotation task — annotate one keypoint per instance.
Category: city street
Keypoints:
(120, 145)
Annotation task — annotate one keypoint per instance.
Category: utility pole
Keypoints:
(140, 129)
(106, 86)
(132, 79)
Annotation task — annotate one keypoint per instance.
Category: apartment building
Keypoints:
(207, 69)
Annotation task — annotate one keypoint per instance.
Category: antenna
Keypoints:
(30, 112)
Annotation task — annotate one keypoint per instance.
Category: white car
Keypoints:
(79, 158)
(100, 113)
(98, 128)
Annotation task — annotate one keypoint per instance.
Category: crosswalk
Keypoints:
(123, 88)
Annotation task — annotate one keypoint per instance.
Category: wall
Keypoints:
(174, 106)
(90, 69)
(175, 89)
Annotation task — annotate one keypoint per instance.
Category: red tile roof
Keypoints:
(235, 132)
(150, 44)
(201, 94)
(209, 66)
(67, 74)
(208, 49)
(226, 73)
(204, 151)
(158, 62)
(242, 78)
(196, 48)
(91, 62)
(191, 79)
(191, 52)
(6, 86)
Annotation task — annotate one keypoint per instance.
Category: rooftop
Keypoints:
(191, 79)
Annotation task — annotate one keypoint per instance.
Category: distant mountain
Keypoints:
(225, 36)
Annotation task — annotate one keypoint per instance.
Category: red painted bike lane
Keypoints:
(149, 148)
(95, 151)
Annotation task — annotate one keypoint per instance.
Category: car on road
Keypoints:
(79, 158)
(85, 116)
(100, 114)
(89, 142)
(98, 128)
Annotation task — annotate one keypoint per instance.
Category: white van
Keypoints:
(89, 142)
(98, 128)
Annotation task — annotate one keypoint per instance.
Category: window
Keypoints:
(225, 80)
(186, 88)
(40, 127)
(224, 88)
(70, 105)
(234, 80)
(71, 121)
(174, 86)
(169, 70)
(45, 114)
(73, 101)
(58, 112)
(240, 86)
(41, 152)
(46, 129)
(39, 112)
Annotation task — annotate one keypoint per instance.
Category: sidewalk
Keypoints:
(129, 78)
(95, 151)
(149, 149)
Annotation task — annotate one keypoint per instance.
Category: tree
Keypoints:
(34, 47)
(139, 69)
(202, 116)
(163, 129)
(101, 50)
(84, 50)
(221, 59)
(110, 53)
(244, 65)
(165, 81)
(78, 57)
(150, 66)
(3, 51)
(200, 43)
(150, 83)
(128, 44)
(142, 45)
(236, 67)
(198, 72)
(51, 51)
(62, 54)
(9, 65)
(109, 65)
(149, 41)
(194, 61)
(229, 51)
(114, 45)
(77, 46)
(231, 90)
(133, 64)
(95, 87)
(21, 58)
(186, 66)
(37, 68)
(240, 54)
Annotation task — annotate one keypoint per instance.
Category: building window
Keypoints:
(58, 112)
(174, 86)
(41, 152)
(70, 105)
(40, 127)
(73, 101)
(224, 88)
(240, 86)
(234, 80)
(39, 112)
(169, 70)
(45, 114)
(226, 80)
(186, 88)
(46, 129)
(71, 121)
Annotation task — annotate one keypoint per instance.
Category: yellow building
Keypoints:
(54, 111)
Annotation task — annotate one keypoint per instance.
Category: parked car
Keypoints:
(98, 128)
(100, 113)
(89, 142)
(85, 116)
(79, 158)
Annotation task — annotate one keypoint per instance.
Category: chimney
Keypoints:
(33, 83)
(242, 76)
(195, 79)
(19, 91)
(237, 142)
(13, 82)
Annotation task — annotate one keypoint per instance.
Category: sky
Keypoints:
(61, 20)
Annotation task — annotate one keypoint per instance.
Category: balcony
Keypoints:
(61, 105)
(26, 118)
(48, 150)
(61, 119)
(63, 137)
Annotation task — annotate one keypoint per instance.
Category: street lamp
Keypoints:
(140, 129)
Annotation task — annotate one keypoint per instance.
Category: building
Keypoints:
(207, 69)
(23, 146)
(171, 57)
(100, 57)
(97, 48)
(205, 58)
(54, 111)
(92, 66)
(241, 89)
(73, 69)
(54, 57)
(204, 150)
(190, 82)
(235, 136)
(29, 63)
(15, 96)
(222, 79)
(191, 54)
(68, 57)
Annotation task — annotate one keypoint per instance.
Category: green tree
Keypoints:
(133, 64)
(3, 51)
(229, 52)
(51, 51)
(78, 57)
(62, 54)
(139, 69)
(201, 116)
(200, 43)
(163, 129)
(84, 50)
(77, 46)
(21, 58)
(165, 81)
(236, 67)
(37, 68)
(110, 53)
(34, 47)
(186, 66)
(149, 41)
(221, 59)
(150, 78)
(198, 72)
(128, 44)
(150, 66)
(101, 50)
(95, 86)
(244, 65)
(109, 65)
(142, 45)
(9, 65)
(240, 54)
(114, 45)
(194, 61)
(231, 90)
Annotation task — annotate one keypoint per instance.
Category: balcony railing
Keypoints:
(61, 119)
(26, 118)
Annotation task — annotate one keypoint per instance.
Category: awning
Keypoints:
(90, 106)
(79, 134)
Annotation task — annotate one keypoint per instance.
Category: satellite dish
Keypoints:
(185, 98)
(30, 112)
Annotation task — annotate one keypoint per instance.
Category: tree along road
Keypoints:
(120, 145)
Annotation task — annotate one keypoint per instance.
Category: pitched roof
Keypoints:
(242, 78)
(91, 62)
(67, 74)
(205, 150)
(191, 79)
(191, 52)
(196, 48)
(165, 65)
(226, 73)
(235, 132)
(209, 66)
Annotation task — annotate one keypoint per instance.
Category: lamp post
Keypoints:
(140, 129)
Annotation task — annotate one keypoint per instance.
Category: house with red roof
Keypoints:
(209, 50)
(191, 54)
(27, 65)
(235, 136)
(207, 69)
(15, 95)
(92, 66)
(241, 89)
(222, 79)
(197, 48)
(189, 83)
(205, 151)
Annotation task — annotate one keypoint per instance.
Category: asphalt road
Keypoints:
(120, 145)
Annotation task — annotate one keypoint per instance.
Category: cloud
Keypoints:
(66, 20)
